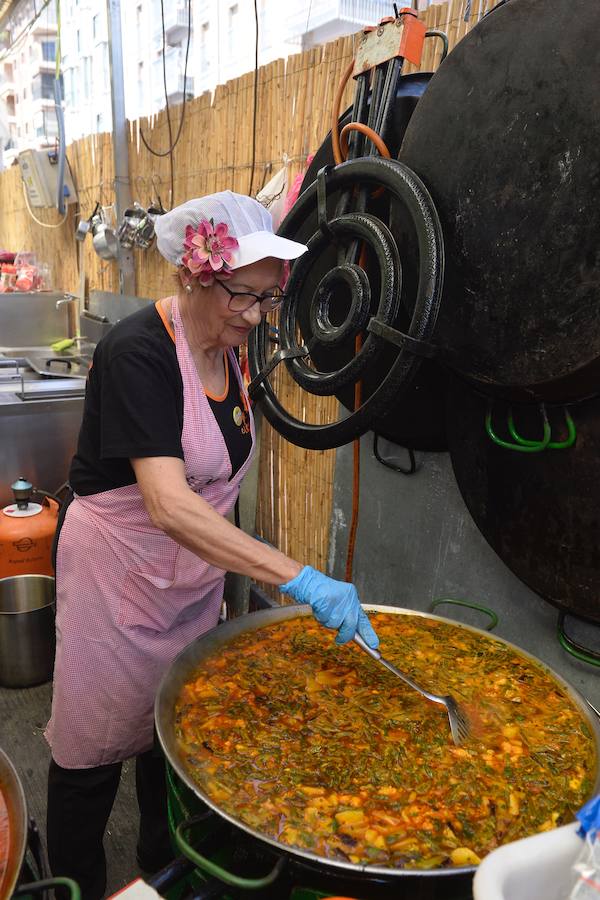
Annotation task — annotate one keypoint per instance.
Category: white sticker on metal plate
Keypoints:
(137, 890)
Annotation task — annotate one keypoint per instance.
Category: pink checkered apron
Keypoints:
(129, 598)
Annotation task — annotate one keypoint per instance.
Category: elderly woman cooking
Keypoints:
(167, 437)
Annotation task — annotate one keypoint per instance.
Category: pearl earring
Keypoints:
(188, 288)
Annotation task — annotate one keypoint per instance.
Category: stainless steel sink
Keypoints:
(28, 374)
(68, 364)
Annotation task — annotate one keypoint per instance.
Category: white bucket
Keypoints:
(535, 868)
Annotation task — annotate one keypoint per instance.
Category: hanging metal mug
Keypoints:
(132, 217)
(144, 236)
(105, 241)
(84, 226)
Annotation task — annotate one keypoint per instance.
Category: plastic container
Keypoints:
(27, 637)
(8, 278)
(25, 258)
(536, 868)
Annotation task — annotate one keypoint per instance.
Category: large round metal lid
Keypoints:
(539, 511)
(505, 138)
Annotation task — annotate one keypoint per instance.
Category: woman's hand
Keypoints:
(335, 604)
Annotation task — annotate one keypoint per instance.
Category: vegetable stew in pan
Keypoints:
(4, 839)
(319, 747)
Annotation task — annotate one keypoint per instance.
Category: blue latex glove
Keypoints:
(335, 604)
(589, 816)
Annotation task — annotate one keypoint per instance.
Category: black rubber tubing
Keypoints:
(405, 186)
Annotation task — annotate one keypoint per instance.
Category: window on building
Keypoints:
(8, 72)
(45, 125)
(140, 88)
(86, 64)
(232, 27)
(101, 81)
(204, 45)
(99, 122)
(78, 41)
(49, 51)
(32, 50)
(95, 26)
(42, 86)
(10, 105)
(24, 93)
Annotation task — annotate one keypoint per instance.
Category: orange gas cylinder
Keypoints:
(26, 534)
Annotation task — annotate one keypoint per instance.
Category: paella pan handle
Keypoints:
(484, 609)
(552, 445)
(206, 865)
(523, 446)
(573, 647)
(37, 887)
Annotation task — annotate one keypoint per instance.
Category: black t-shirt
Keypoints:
(134, 406)
(233, 420)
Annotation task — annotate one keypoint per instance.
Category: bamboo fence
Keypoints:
(295, 98)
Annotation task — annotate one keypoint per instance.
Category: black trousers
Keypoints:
(79, 804)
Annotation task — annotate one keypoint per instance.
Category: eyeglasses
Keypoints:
(240, 301)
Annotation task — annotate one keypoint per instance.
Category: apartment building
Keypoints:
(27, 70)
(143, 55)
(222, 46)
(225, 31)
(85, 67)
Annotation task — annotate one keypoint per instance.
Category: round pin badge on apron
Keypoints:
(138, 599)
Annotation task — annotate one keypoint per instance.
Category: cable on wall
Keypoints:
(35, 218)
(172, 143)
(254, 114)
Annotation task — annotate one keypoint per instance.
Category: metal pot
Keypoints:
(132, 218)
(137, 227)
(14, 797)
(84, 226)
(26, 630)
(402, 884)
(82, 230)
(144, 236)
(105, 241)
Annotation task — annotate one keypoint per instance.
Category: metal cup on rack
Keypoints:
(105, 241)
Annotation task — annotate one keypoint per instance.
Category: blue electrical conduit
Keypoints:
(62, 148)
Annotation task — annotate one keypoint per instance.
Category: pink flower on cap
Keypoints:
(209, 249)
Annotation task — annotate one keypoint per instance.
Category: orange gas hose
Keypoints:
(339, 145)
(335, 129)
(355, 478)
(355, 455)
(368, 132)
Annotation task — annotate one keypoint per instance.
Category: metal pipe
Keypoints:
(120, 143)
(60, 119)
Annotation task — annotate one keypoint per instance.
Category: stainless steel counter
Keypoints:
(41, 391)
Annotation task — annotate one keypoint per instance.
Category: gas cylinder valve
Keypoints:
(22, 490)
